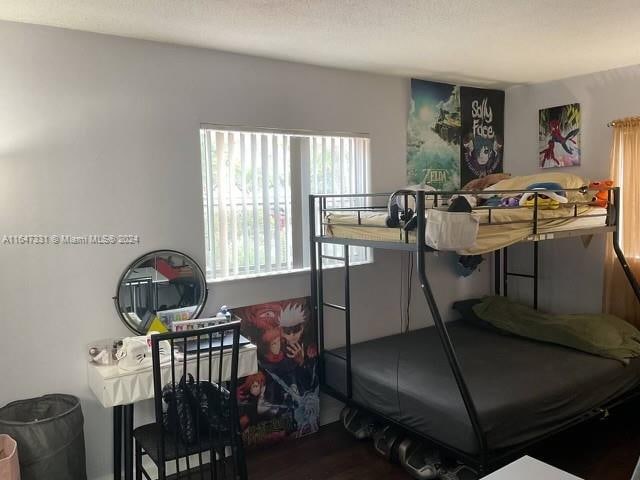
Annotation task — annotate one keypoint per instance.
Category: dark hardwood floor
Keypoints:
(599, 450)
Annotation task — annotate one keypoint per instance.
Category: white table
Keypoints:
(528, 468)
(121, 390)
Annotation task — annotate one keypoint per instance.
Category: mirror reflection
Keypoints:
(165, 285)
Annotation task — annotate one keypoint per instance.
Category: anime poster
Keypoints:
(559, 136)
(433, 135)
(482, 146)
(282, 400)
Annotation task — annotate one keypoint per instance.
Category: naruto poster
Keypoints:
(282, 400)
(482, 146)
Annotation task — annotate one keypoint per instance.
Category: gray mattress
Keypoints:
(521, 388)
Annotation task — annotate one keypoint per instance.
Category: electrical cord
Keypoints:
(409, 287)
(402, 278)
(404, 327)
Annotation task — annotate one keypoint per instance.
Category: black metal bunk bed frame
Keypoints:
(486, 458)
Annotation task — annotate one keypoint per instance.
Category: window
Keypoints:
(255, 190)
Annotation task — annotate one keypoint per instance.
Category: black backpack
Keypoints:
(197, 404)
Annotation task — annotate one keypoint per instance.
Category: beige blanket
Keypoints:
(490, 237)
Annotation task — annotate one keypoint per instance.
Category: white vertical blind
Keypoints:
(286, 165)
(255, 258)
(333, 163)
(231, 173)
(222, 198)
(248, 192)
(244, 221)
(266, 221)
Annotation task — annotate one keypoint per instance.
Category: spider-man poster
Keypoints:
(559, 136)
(282, 400)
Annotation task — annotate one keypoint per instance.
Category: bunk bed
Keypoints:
(480, 395)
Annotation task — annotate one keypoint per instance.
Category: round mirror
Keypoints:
(164, 285)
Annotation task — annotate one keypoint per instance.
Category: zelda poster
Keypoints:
(281, 400)
(433, 135)
(559, 136)
(482, 133)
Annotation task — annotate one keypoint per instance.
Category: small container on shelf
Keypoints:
(198, 323)
(103, 352)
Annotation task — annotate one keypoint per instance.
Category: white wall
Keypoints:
(99, 134)
(571, 274)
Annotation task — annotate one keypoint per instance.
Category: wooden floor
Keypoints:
(600, 450)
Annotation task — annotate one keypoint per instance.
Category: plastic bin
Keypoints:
(50, 437)
(9, 467)
(451, 230)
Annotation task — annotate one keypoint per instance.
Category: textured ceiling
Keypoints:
(468, 41)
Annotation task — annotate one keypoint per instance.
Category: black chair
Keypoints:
(208, 399)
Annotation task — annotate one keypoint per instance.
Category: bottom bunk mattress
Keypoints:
(522, 388)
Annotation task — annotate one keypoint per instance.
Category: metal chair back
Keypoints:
(199, 381)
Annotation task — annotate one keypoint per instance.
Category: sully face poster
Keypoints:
(433, 135)
(482, 147)
(282, 399)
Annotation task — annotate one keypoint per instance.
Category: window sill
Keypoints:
(274, 275)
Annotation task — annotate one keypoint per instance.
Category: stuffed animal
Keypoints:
(481, 183)
(550, 197)
(601, 198)
(510, 202)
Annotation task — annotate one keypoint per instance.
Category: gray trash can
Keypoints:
(50, 436)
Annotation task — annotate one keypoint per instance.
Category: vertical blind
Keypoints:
(340, 165)
(250, 200)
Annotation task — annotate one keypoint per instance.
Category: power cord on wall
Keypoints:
(409, 286)
(406, 275)
(402, 310)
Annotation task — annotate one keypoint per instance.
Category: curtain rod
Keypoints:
(613, 123)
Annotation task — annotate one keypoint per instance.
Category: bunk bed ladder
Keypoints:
(501, 272)
(346, 309)
(501, 256)
(317, 298)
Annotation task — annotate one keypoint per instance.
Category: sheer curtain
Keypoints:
(619, 298)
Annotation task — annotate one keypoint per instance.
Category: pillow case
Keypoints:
(467, 314)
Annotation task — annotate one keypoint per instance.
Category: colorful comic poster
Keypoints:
(433, 135)
(281, 400)
(482, 148)
(559, 136)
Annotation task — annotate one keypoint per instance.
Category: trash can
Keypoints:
(50, 437)
(9, 467)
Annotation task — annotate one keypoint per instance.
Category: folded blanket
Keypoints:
(600, 334)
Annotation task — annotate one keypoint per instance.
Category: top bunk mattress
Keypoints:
(522, 388)
(370, 226)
